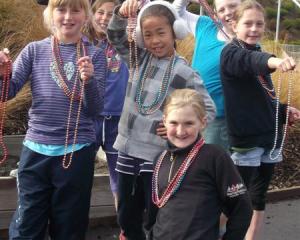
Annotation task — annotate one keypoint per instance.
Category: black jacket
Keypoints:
(249, 110)
(211, 185)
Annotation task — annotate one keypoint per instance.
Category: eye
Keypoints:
(100, 12)
(146, 35)
(60, 9)
(233, 6)
(221, 10)
(248, 24)
(75, 10)
(260, 24)
(189, 123)
(172, 123)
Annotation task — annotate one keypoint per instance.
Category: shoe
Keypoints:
(13, 173)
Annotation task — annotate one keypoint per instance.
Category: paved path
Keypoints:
(282, 222)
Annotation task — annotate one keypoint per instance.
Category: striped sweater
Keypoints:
(50, 106)
(137, 132)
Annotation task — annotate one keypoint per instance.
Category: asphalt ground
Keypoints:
(282, 222)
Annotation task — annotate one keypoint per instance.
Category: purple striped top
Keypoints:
(50, 106)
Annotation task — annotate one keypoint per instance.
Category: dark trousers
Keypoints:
(106, 128)
(136, 210)
(48, 193)
(257, 180)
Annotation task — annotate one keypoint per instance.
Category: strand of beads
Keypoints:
(176, 181)
(163, 89)
(270, 91)
(133, 51)
(73, 95)
(3, 100)
(67, 163)
(59, 71)
(290, 85)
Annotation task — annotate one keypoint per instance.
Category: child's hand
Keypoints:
(294, 115)
(4, 58)
(283, 64)
(129, 8)
(86, 68)
(161, 130)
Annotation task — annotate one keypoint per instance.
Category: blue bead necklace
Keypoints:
(147, 109)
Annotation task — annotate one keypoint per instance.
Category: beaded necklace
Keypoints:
(113, 63)
(176, 181)
(133, 52)
(72, 94)
(275, 96)
(289, 96)
(59, 68)
(163, 89)
(3, 101)
(133, 49)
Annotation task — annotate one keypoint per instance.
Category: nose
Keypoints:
(180, 131)
(106, 16)
(68, 14)
(253, 27)
(228, 11)
(155, 40)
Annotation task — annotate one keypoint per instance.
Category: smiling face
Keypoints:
(102, 16)
(183, 126)
(250, 26)
(158, 36)
(225, 10)
(68, 23)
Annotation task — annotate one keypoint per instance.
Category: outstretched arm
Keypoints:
(190, 18)
(116, 30)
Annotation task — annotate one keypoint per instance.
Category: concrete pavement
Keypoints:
(282, 222)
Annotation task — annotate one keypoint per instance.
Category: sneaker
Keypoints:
(13, 173)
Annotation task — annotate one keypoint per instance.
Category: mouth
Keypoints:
(181, 138)
(102, 25)
(228, 21)
(68, 25)
(253, 37)
(157, 49)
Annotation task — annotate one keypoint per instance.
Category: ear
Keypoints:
(203, 123)
(164, 120)
(234, 26)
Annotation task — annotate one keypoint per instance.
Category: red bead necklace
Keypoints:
(3, 101)
(72, 94)
(59, 68)
(176, 181)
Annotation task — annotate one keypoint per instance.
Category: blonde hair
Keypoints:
(185, 97)
(74, 4)
(246, 5)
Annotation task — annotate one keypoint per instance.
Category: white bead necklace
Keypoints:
(289, 96)
(276, 97)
